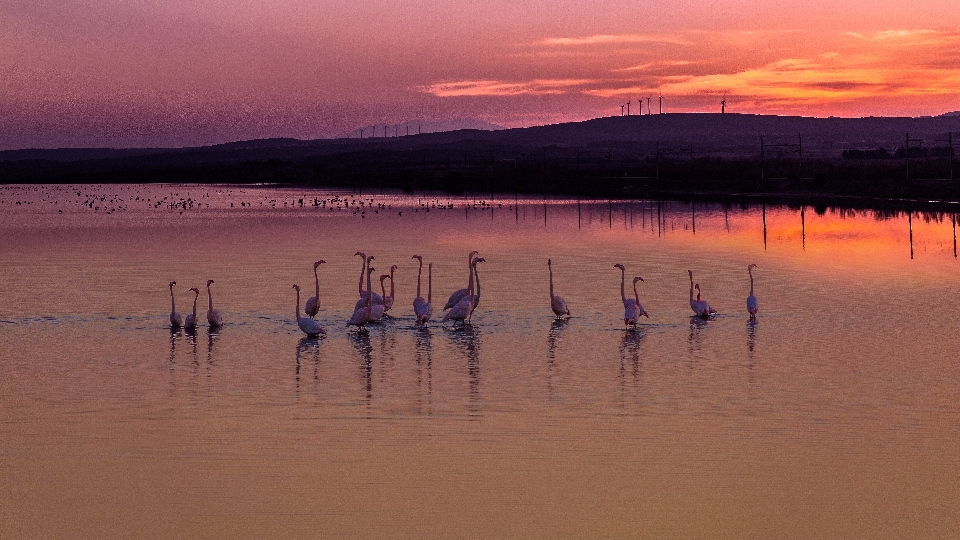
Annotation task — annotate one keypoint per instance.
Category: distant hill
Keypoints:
(414, 127)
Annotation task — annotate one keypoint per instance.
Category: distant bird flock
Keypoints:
(372, 307)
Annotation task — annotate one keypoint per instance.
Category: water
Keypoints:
(835, 414)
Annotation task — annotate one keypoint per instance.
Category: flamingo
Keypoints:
(694, 304)
(378, 309)
(426, 309)
(623, 278)
(307, 325)
(361, 316)
(462, 310)
(458, 295)
(312, 306)
(213, 315)
(176, 319)
(191, 323)
(388, 300)
(476, 297)
(418, 302)
(752, 304)
(705, 310)
(377, 299)
(557, 304)
(633, 310)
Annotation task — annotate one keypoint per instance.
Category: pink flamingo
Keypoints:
(213, 315)
(176, 319)
(557, 304)
(476, 297)
(377, 299)
(461, 310)
(458, 295)
(388, 300)
(418, 301)
(705, 310)
(633, 311)
(361, 316)
(313, 303)
(426, 310)
(307, 325)
(378, 309)
(752, 305)
(191, 322)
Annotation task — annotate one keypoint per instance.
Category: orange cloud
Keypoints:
(603, 39)
(502, 88)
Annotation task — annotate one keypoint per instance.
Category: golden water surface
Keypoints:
(834, 415)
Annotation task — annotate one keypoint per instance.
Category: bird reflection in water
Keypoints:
(630, 354)
(213, 336)
(361, 342)
(751, 340)
(697, 327)
(423, 355)
(308, 347)
(467, 340)
(554, 336)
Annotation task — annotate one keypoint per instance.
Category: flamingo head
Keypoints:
(172, 283)
(751, 266)
(297, 287)
(318, 263)
(360, 253)
(196, 290)
(383, 277)
(691, 273)
(479, 260)
(370, 258)
(392, 268)
(472, 253)
(636, 279)
(209, 282)
(418, 257)
(548, 262)
(620, 266)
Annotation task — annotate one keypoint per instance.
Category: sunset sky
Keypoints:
(184, 72)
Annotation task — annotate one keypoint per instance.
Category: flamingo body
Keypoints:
(191, 322)
(307, 325)
(213, 316)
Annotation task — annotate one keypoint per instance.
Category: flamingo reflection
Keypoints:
(361, 343)
(307, 347)
(467, 339)
(423, 356)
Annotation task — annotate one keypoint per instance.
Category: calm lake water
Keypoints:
(835, 415)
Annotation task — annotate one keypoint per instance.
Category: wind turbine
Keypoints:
(628, 107)
(660, 97)
(648, 106)
(723, 105)
(621, 109)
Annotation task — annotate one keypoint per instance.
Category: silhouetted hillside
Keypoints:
(651, 155)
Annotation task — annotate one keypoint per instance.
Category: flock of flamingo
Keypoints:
(371, 307)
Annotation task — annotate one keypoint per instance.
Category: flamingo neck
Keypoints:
(195, 297)
(316, 282)
(298, 304)
(623, 277)
(173, 304)
(691, 287)
(210, 297)
(550, 268)
(419, 272)
(751, 282)
(391, 284)
(363, 269)
(429, 283)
